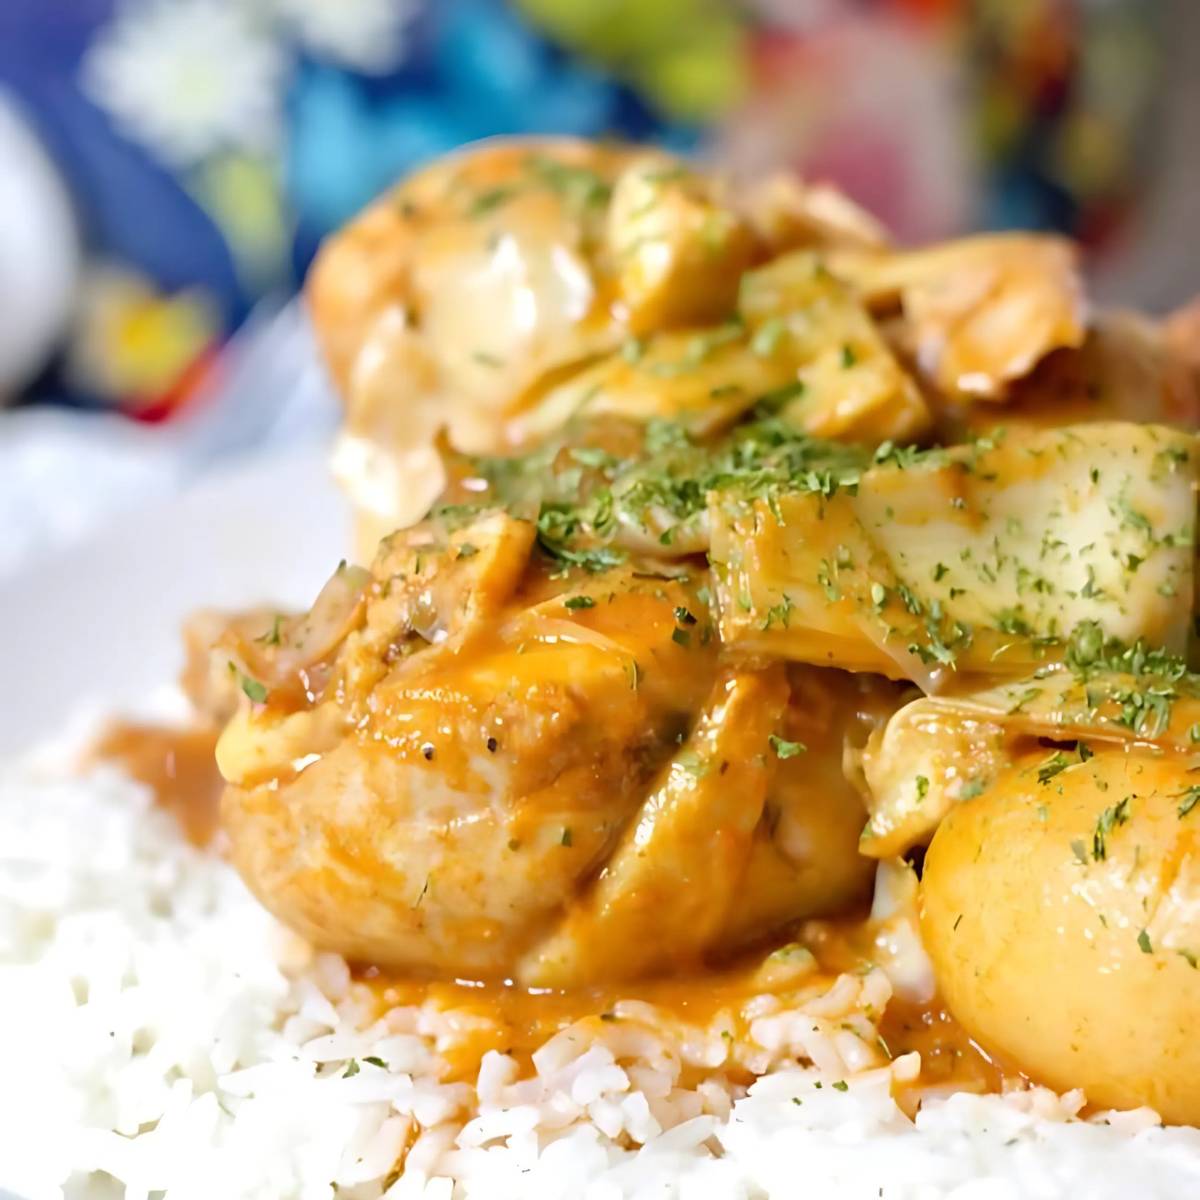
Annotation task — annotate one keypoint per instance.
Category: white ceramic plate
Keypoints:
(98, 626)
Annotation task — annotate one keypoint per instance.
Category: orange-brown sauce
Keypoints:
(519, 1020)
(950, 1057)
(179, 767)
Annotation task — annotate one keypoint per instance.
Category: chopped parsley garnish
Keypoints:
(1052, 766)
(972, 788)
(257, 692)
(1143, 941)
(785, 749)
(575, 602)
(272, 636)
(1189, 800)
(1109, 819)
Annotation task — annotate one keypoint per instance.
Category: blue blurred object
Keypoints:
(178, 224)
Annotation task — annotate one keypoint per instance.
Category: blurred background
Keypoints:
(168, 167)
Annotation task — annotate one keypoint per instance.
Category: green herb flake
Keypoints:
(1052, 766)
(257, 692)
(1109, 819)
(272, 636)
(785, 749)
(576, 602)
(767, 338)
(1143, 941)
(972, 788)
(1189, 799)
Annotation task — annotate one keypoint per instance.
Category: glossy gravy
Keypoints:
(179, 767)
(519, 1020)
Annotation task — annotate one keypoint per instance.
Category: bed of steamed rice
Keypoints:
(162, 1036)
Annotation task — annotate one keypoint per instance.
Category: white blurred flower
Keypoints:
(366, 35)
(188, 78)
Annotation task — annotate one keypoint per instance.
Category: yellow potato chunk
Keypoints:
(1061, 909)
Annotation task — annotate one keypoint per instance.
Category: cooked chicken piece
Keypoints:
(974, 559)
(803, 347)
(502, 291)
(451, 296)
(480, 736)
(803, 861)
(671, 882)
(676, 244)
(1126, 370)
(981, 312)
(1181, 330)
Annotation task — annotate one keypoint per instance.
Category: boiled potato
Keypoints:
(1061, 910)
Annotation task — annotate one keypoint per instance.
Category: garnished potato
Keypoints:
(1061, 909)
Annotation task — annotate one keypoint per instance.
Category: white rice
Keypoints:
(161, 1036)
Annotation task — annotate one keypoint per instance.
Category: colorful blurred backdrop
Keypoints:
(167, 167)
